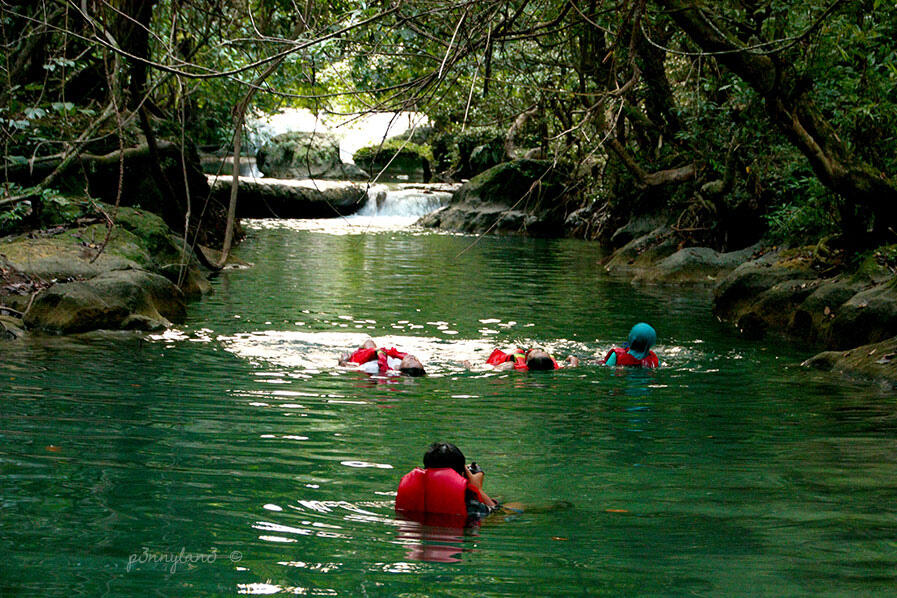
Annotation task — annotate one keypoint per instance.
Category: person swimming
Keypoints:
(377, 360)
(533, 359)
(637, 351)
(445, 487)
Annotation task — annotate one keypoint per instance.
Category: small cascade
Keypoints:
(412, 201)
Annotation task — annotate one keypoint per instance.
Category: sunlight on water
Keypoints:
(232, 454)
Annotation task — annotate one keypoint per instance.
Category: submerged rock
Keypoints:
(877, 361)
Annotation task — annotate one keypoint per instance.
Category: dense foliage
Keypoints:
(736, 119)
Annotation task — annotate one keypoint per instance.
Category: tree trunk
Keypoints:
(131, 31)
(859, 183)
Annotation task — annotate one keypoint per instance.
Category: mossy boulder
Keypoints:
(140, 239)
(120, 299)
(693, 265)
(867, 317)
(741, 288)
(396, 159)
(640, 255)
(521, 196)
(305, 155)
(875, 361)
(86, 278)
(783, 292)
(72, 254)
(10, 328)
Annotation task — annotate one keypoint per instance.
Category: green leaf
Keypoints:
(62, 106)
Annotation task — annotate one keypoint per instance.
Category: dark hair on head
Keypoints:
(542, 361)
(413, 372)
(444, 454)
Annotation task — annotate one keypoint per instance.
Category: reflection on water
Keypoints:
(728, 471)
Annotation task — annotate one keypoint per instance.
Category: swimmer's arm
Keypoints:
(612, 359)
(476, 480)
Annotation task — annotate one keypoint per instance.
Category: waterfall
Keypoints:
(405, 201)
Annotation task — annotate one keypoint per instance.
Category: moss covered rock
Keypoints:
(875, 361)
(304, 155)
(783, 292)
(87, 278)
(396, 159)
(121, 299)
(521, 196)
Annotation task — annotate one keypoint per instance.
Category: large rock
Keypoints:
(877, 361)
(783, 292)
(396, 160)
(698, 265)
(742, 286)
(283, 198)
(72, 254)
(121, 299)
(10, 328)
(870, 316)
(76, 287)
(638, 226)
(139, 240)
(521, 196)
(305, 155)
(641, 255)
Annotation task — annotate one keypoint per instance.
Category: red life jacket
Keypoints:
(435, 490)
(518, 357)
(624, 357)
(365, 355)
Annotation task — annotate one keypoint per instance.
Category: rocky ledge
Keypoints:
(74, 279)
(850, 310)
(521, 196)
(289, 198)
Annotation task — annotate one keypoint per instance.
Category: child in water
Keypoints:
(637, 351)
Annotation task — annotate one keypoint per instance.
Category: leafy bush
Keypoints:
(800, 222)
(381, 154)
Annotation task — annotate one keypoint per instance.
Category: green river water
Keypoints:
(231, 456)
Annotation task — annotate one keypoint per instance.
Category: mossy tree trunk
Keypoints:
(861, 186)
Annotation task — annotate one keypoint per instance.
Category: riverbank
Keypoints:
(86, 276)
(841, 307)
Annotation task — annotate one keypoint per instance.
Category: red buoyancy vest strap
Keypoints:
(434, 490)
(366, 355)
(498, 356)
(518, 357)
(363, 355)
(625, 358)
